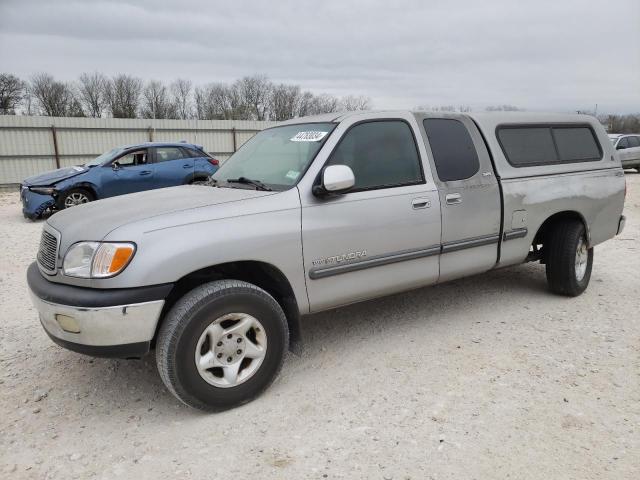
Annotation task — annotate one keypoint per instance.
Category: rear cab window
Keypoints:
(454, 153)
(532, 145)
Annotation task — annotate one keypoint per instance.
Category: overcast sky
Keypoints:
(557, 55)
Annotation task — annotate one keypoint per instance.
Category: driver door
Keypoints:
(131, 172)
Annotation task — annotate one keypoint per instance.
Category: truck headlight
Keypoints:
(96, 259)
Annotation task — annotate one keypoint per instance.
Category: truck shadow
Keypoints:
(420, 306)
(137, 385)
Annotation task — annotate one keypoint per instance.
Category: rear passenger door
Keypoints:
(469, 196)
(172, 166)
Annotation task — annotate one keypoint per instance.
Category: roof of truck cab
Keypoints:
(479, 117)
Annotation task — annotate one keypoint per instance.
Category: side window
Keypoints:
(193, 153)
(634, 141)
(139, 157)
(165, 154)
(623, 143)
(381, 154)
(524, 146)
(576, 144)
(453, 151)
(548, 144)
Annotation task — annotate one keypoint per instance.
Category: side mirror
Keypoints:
(115, 166)
(335, 179)
(621, 147)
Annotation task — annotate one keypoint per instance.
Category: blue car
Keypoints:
(129, 169)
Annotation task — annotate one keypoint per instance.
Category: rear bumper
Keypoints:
(98, 322)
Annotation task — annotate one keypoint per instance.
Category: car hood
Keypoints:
(93, 221)
(54, 176)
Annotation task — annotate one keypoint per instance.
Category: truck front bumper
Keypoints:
(98, 322)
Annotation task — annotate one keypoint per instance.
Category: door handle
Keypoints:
(145, 172)
(186, 165)
(453, 198)
(418, 203)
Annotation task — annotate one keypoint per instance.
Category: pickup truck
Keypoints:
(313, 214)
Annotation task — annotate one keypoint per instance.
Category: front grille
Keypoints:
(48, 251)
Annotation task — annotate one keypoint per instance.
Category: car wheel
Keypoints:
(200, 181)
(221, 344)
(75, 196)
(569, 260)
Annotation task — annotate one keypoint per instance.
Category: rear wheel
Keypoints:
(222, 344)
(568, 258)
(75, 196)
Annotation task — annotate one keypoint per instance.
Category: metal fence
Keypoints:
(31, 145)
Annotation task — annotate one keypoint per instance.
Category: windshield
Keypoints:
(105, 157)
(276, 157)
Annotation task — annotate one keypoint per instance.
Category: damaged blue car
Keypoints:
(128, 169)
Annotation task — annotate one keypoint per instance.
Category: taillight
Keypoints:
(214, 162)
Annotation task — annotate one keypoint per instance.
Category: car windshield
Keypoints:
(105, 157)
(276, 157)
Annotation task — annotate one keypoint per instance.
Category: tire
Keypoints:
(566, 275)
(202, 310)
(198, 182)
(75, 196)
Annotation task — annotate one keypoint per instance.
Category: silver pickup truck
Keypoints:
(314, 214)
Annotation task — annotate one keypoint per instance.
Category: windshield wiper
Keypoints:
(248, 181)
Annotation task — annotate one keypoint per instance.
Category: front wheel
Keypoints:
(222, 344)
(568, 258)
(75, 196)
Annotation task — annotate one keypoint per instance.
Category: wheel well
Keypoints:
(548, 225)
(261, 274)
(84, 186)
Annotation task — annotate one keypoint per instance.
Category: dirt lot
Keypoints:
(488, 377)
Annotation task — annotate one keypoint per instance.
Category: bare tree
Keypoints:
(92, 90)
(324, 103)
(200, 102)
(123, 96)
(254, 92)
(305, 104)
(352, 103)
(181, 91)
(156, 102)
(621, 123)
(284, 102)
(213, 102)
(11, 93)
(54, 98)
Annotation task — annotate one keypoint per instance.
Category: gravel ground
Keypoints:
(488, 377)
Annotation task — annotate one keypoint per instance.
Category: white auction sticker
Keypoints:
(313, 136)
(292, 174)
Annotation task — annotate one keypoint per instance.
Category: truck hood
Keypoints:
(93, 221)
(54, 176)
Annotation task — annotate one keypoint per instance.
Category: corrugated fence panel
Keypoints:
(21, 141)
(14, 170)
(27, 146)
